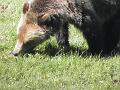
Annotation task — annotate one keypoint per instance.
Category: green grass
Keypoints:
(45, 70)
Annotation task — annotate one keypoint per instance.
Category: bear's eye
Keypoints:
(43, 18)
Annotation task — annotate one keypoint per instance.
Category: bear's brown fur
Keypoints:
(35, 13)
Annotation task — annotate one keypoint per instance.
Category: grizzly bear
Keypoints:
(42, 18)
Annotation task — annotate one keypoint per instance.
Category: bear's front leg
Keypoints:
(62, 37)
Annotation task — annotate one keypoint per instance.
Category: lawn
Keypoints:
(46, 69)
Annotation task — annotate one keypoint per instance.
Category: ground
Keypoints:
(45, 68)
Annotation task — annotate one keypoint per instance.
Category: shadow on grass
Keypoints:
(54, 51)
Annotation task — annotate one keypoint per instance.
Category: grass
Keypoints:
(48, 70)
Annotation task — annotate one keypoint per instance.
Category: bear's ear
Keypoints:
(25, 7)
